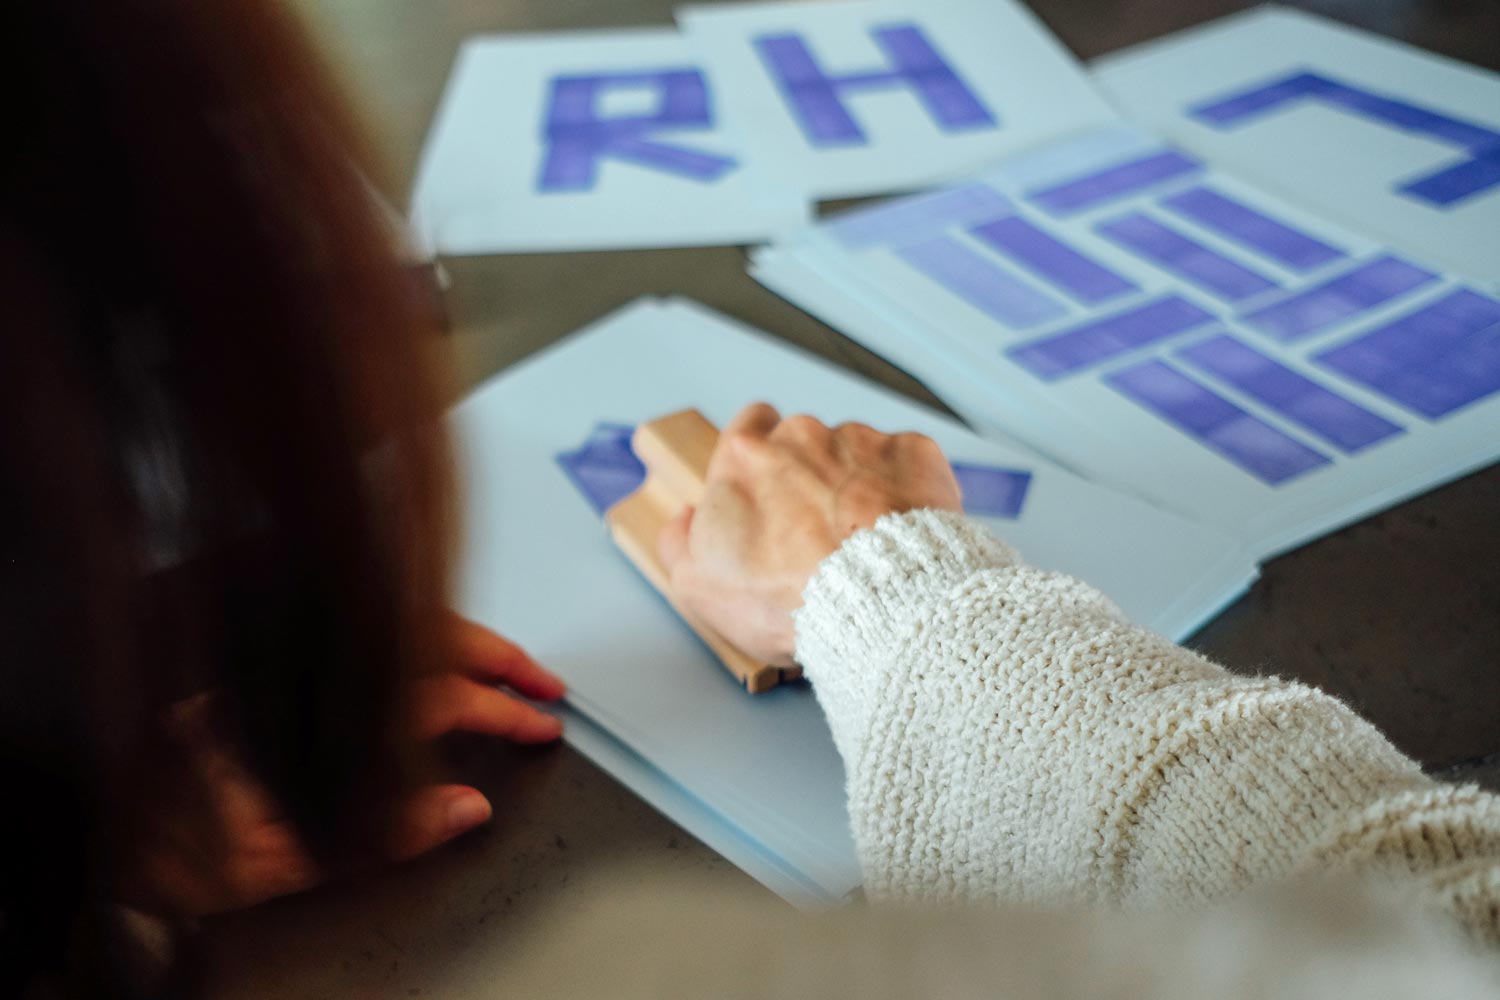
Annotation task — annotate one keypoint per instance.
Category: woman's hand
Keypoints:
(781, 496)
(225, 845)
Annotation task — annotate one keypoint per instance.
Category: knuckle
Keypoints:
(801, 428)
(862, 444)
(754, 419)
(746, 446)
(759, 409)
(919, 445)
(802, 423)
(859, 433)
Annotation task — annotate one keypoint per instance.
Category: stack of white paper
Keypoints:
(1163, 328)
(756, 777)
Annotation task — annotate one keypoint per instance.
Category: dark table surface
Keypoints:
(1399, 614)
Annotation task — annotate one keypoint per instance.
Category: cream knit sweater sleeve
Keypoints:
(1009, 735)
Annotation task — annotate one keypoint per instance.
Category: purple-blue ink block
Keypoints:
(1368, 286)
(1052, 260)
(605, 470)
(1408, 117)
(1458, 182)
(903, 219)
(816, 98)
(917, 62)
(1448, 186)
(1397, 114)
(578, 138)
(1187, 259)
(1118, 181)
(1435, 361)
(1249, 228)
(992, 492)
(1084, 346)
(1247, 441)
(1339, 421)
(1260, 99)
(981, 282)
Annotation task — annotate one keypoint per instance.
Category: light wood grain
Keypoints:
(676, 450)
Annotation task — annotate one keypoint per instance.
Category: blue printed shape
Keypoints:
(1052, 260)
(816, 98)
(605, 469)
(906, 219)
(981, 282)
(1113, 183)
(1454, 183)
(1216, 423)
(1092, 343)
(1342, 423)
(1275, 240)
(579, 136)
(1187, 259)
(1435, 361)
(1368, 286)
(992, 492)
(1460, 181)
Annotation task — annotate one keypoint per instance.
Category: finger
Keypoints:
(755, 420)
(486, 654)
(861, 444)
(919, 447)
(804, 430)
(435, 815)
(672, 543)
(266, 863)
(453, 703)
(859, 431)
(929, 466)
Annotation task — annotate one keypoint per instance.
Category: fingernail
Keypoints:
(467, 811)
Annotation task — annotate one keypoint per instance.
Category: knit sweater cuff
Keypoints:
(871, 594)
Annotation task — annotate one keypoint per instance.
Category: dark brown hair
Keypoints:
(219, 463)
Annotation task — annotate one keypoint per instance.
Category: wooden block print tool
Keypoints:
(675, 451)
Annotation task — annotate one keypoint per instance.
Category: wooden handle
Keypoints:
(675, 450)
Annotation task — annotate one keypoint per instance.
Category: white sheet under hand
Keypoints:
(759, 774)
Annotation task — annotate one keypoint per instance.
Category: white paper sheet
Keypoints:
(1384, 137)
(588, 141)
(757, 772)
(688, 812)
(1234, 395)
(814, 90)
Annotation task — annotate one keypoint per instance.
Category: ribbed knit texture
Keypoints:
(1010, 736)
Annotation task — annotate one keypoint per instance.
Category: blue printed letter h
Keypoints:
(578, 135)
(815, 99)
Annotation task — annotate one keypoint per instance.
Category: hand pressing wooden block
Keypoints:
(675, 451)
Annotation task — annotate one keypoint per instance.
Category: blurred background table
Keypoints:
(1399, 614)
